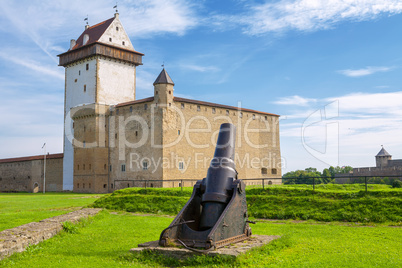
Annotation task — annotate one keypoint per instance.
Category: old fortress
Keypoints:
(113, 141)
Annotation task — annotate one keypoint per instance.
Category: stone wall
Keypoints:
(26, 174)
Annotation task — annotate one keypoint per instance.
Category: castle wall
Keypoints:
(190, 131)
(27, 175)
(115, 81)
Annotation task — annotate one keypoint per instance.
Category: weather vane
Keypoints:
(86, 19)
(163, 65)
(116, 8)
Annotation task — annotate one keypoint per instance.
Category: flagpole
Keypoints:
(44, 167)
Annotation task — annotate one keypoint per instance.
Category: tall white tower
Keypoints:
(100, 68)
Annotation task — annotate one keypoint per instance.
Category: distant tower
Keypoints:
(100, 68)
(381, 159)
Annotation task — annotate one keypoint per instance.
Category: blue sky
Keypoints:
(331, 69)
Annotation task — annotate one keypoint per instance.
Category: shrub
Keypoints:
(397, 184)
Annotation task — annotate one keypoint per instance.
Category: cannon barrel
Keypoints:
(220, 176)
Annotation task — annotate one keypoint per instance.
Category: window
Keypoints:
(136, 133)
(144, 165)
(75, 80)
(104, 166)
(269, 182)
(117, 111)
(115, 136)
(198, 108)
(123, 43)
(273, 171)
(90, 166)
(156, 92)
(104, 186)
(85, 88)
(178, 132)
(78, 185)
(227, 112)
(181, 165)
(170, 92)
(110, 39)
(182, 105)
(170, 104)
(111, 185)
(83, 186)
(110, 168)
(264, 171)
(145, 106)
(131, 109)
(87, 67)
(266, 118)
(83, 144)
(241, 114)
(78, 167)
(89, 185)
(83, 166)
(79, 72)
(123, 168)
(117, 28)
(253, 116)
(128, 184)
(213, 110)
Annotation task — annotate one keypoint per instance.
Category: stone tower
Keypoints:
(381, 159)
(100, 69)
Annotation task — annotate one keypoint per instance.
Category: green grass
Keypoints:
(20, 208)
(381, 204)
(106, 239)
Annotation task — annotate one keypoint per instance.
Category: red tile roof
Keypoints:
(94, 32)
(135, 102)
(30, 158)
(219, 105)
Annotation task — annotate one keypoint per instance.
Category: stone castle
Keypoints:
(385, 166)
(113, 141)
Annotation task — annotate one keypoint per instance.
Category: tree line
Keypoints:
(306, 176)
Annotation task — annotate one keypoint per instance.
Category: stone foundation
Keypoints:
(232, 250)
(19, 238)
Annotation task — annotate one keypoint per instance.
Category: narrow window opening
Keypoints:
(83, 144)
(131, 109)
(128, 184)
(266, 118)
(110, 168)
(182, 105)
(198, 107)
(89, 185)
(87, 67)
(79, 72)
(213, 110)
(178, 132)
(123, 167)
(78, 167)
(117, 111)
(145, 165)
(104, 186)
(145, 106)
(83, 186)
(136, 133)
(274, 171)
(181, 165)
(170, 92)
(83, 166)
(227, 112)
(78, 185)
(115, 136)
(104, 166)
(85, 88)
(111, 185)
(75, 80)
(110, 39)
(90, 167)
(123, 43)
(253, 116)
(117, 28)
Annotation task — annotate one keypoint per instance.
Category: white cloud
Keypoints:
(365, 71)
(33, 65)
(310, 15)
(295, 100)
(199, 68)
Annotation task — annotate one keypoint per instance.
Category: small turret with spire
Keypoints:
(163, 88)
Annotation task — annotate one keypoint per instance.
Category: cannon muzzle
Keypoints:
(220, 176)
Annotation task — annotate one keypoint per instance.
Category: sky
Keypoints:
(331, 69)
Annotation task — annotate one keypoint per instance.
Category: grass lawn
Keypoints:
(20, 208)
(106, 240)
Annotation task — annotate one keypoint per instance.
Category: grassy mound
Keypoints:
(331, 203)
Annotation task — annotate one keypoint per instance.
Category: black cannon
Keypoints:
(216, 214)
